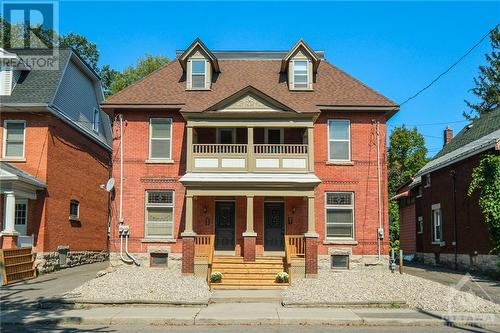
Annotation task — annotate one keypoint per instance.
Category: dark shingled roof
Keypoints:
(37, 86)
(480, 127)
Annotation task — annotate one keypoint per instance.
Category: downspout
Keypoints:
(379, 230)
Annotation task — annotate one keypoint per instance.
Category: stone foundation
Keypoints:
(46, 262)
(484, 263)
(355, 261)
(174, 259)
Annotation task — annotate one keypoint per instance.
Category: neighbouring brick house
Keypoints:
(439, 222)
(265, 150)
(56, 153)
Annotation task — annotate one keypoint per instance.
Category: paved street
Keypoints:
(249, 329)
(450, 277)
(48, 285)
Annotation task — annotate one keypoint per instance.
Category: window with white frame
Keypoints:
(21, 212)
(160, 138)
(96, 120)
(339, 140)
(300, 74)
(74, 209)
(428, 180)
(339, 208)
(420, 224)
(437, 224)
(159, 214)
(198, 73)
(13, 138)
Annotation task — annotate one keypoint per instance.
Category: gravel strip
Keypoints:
(377, 284)
(142, 283)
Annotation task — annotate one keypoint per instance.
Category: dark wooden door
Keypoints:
(274, 226)
(224, 226)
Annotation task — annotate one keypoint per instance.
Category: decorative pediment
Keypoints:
(249, 99)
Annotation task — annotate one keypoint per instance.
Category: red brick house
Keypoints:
(56, 153)
(267, 151)
(439, 222)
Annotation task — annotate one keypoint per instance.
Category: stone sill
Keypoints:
(11, 159)
(340, 242)
(159, 161)
(158, 240)
(346, 163)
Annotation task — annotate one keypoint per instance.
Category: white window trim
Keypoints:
(77, 216)
(25, 202)
(4, 145)
(306, 75)
(222, 129)
(352, 206)
(427, 180)
(166, 205)
(420, 225)
(199, 74)
(266, 135)
(342, 140)
(96, 120)
(437, 207)
(150, 139)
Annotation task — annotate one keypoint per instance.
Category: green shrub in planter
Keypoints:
(282, 277)
(216, 277)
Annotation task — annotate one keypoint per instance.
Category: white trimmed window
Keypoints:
(160, 138)
(13, 138)
(96, 120)
(74, 209)
(428, 180)
(159, 214)
(6, 76)
(198, 73)
(437, 224)
(420, 224)
(300, 74)
(339, 220)
(339, 140)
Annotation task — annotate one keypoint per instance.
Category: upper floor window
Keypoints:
(6, 75)
(427, 180)
(96, 119)
(339, 140)
(159, 214)
(74, 209)
(13, 138)
(437, 223)
(160, 138)
(301, 74)
(198, 73)
(339, 215)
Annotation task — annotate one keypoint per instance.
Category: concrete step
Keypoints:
(246, 296)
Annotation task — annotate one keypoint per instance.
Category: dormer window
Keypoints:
(300, 74)
(198, 74)
(5, 81)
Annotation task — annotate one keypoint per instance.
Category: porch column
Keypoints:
(310, 147)
(9, 233)
(189, 145)
(311, 238)
(188, 239)
(250, 150)
(249, 236)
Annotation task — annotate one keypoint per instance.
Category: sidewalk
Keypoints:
(242, 314)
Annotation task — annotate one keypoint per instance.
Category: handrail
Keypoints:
(294, 248)
(210, 257)
(288, 258)
(280, 149)
(204, 248)
(210, 148)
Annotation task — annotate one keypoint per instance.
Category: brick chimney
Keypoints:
(448, 135)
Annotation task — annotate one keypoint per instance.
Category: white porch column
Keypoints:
(311, 224)
(250, 148)
(188, 228)
(249, 231)
(10, 212)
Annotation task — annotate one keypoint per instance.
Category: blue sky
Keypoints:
(394, 47)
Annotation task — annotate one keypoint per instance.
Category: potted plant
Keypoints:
(216, 277)
(282, 277)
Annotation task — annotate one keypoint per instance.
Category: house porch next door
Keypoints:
(274, 226)
(225, 222)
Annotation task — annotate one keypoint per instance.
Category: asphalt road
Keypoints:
(244, 329)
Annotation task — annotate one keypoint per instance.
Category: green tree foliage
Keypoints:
(406, 155)
(487, 84)
(486, 180)
(145, 66)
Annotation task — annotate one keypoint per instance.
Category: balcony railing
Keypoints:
(251, 158)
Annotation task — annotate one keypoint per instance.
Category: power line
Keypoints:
(449, 68)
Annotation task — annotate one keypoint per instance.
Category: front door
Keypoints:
(21, 216)
(274, 226)
(224, 225)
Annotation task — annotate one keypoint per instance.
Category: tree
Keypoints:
(406, 155)
(145, 66)
(487, 84)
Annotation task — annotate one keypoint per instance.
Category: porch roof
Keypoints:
(249, 178)
(20, 181)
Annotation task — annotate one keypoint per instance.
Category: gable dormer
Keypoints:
(10, 70)
(198, 64)
(300, 65)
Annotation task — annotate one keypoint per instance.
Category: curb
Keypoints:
(374, 304)
(51, 302)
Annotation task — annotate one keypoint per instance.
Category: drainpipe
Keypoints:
(380, 232)
(453, 177)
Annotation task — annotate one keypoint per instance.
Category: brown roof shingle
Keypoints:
(332, 87)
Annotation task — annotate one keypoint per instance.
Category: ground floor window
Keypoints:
(159, 214)
(420, 224)
(339, 208)
(437, 225)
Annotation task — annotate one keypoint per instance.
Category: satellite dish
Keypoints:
(110, 184)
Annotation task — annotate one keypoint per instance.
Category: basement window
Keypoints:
(158, 259)
(340, 261)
